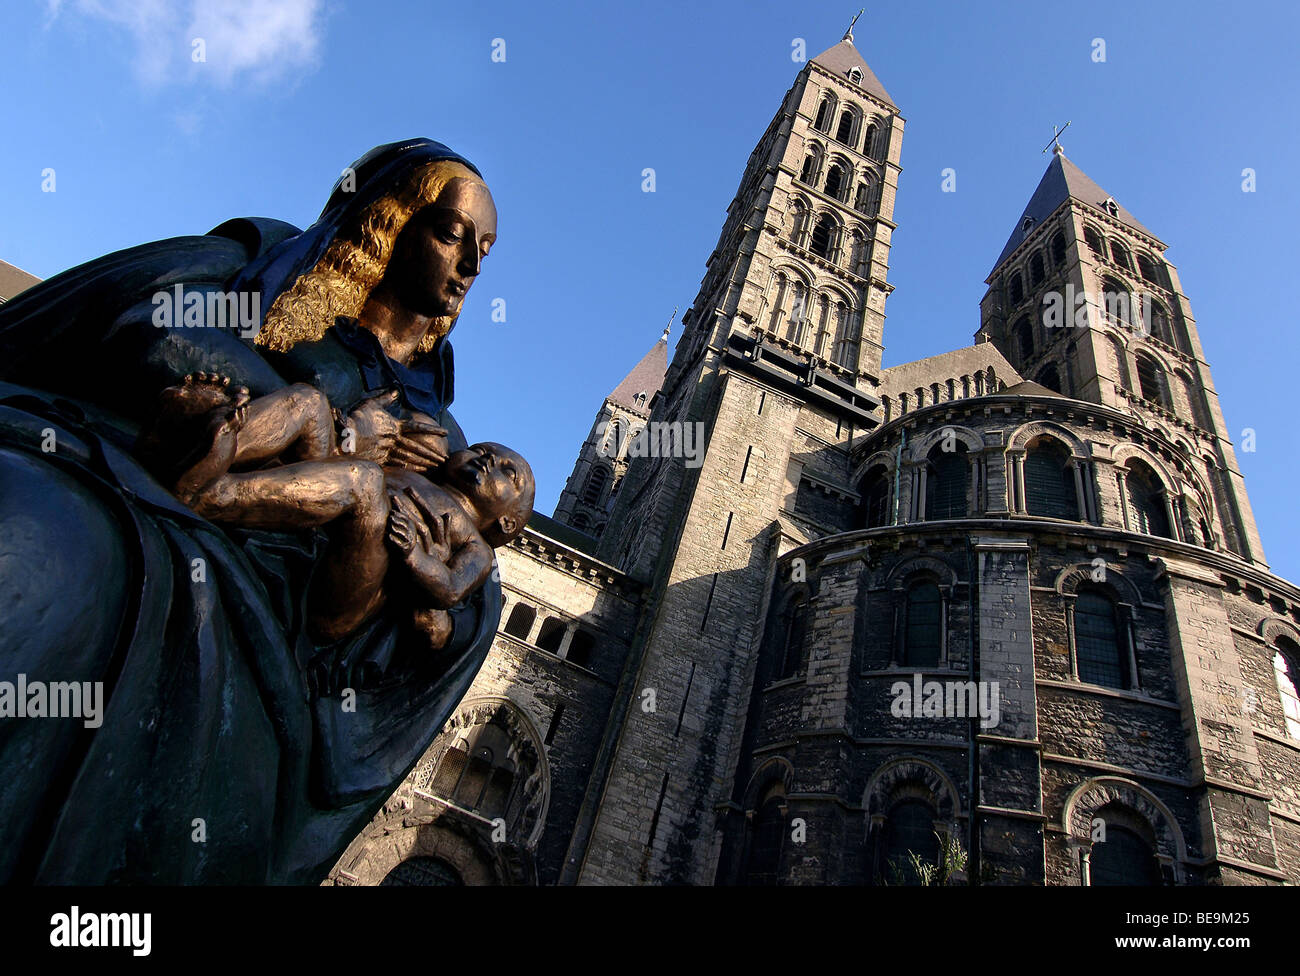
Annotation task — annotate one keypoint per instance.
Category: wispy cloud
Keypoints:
(258, 41)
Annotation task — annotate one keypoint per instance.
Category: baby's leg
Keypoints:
(349, 495)
(294, 422)
(434, 626)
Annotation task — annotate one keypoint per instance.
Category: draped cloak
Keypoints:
(232, 749)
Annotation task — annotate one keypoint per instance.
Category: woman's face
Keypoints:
(441, 249)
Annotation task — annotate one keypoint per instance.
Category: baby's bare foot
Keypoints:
(202, 393)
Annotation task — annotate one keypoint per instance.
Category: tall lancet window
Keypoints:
(798, 313)
(778, 304)
(846, 348)
(845, 131)
(823, 237)
(821, 341)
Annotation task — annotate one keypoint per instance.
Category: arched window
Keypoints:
(1148, 269)
(1124, 858)
(1096, 243)
(822, 236)
(581, 522)
(596, 482)
(765, 842)
(845, 130)
(824, 114)
(809, 172)
(846, 337)
(614, 438)
(922, 626)
(908, 830)
(1100, 654)
(794, 625)
(946, 480)
(858, 253)
(521, 620)
(1120, 253)
(421, 872)
(1151, 381)
(875, 497)
(778, 303)
(1146, 505)
(1017, 289)
(1024, 331)
(1049, 482)
(582, 648)
(869, 141)
(1286, 670)
(861, 199)
(1058, 248)
(1156, 318)
(834, 181)
(551, 636)
(798, 312)
(1121, 364)
(1036, 270)
(1050, 379)
(1116, 301)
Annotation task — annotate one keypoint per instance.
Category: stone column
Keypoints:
(1236, 833)
(1120, 477)
(1009, 805)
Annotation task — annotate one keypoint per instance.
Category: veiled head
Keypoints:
(406, 230)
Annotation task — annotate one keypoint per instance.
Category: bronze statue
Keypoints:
(279, 639)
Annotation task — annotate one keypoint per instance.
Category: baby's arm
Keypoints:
(444, 552)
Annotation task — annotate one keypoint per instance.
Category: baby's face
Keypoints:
(498, 480)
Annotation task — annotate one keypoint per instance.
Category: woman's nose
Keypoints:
(470, 262)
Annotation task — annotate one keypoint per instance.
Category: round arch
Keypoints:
(1086, 799)
(1023, 435)
(890, 778)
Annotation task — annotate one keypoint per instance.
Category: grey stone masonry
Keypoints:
(1010, 790)
(677, 751)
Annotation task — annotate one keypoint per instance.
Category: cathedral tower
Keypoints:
(776, 376)
(598, 472)
(1083, 302)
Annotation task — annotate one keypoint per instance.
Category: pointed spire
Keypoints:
(843, 58)
(1064, 181)
(639, 386)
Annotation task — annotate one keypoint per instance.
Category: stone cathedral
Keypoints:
(1003, 613)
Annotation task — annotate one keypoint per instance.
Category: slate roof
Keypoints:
(646, 377)
(843, 56)
(1063, 180)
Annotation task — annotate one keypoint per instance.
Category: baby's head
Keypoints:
(500, 484)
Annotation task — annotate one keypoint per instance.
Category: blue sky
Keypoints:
(146, 144)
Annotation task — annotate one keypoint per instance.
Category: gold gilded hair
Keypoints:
(355, 261)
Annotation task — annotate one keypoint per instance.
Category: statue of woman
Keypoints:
(234, 744)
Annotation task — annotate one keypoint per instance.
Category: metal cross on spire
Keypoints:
(669, 326)
(1056, 139)
(848, 34)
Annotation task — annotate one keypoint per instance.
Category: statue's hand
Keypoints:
(421, 445)
(374, 429)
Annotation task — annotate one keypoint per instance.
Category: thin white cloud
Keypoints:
(260, 41)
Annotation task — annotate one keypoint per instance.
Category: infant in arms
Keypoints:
(274, 463)
(445, 531)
